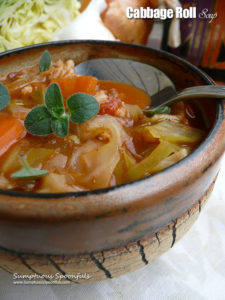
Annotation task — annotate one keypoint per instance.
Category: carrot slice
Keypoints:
(86, 84)
(67, 85)
(11, 131)
(76, 84)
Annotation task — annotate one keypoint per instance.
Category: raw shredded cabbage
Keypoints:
(25, 22)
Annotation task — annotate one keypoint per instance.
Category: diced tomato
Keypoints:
(110, 107)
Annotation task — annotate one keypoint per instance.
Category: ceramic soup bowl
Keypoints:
(105, 233)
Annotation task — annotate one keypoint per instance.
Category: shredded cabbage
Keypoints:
(146, 165)
(25, 22)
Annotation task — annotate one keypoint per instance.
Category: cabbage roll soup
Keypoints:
(61, 132)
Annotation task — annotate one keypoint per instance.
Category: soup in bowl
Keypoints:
(116, 186)
(62, 132)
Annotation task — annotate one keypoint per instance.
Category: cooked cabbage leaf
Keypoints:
(125, 163)
(173, 132)
(170, 160)
(25, 22)
(146, 165)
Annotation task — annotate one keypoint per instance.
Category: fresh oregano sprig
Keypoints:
(45, 61)
(27, 171)
(82, 107)
(51, 117)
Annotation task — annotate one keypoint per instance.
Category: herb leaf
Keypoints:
(82, 107)
(61, 126)
(4, 97)
(28, 172)
(38, 121)
(45, 119)
(160, 110)
(54, 100)
(45, 61)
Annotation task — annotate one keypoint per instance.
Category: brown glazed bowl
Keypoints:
(105, 233)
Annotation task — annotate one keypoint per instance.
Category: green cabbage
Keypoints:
(26, 22)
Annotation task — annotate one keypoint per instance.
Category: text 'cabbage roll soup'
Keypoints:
(61, 132)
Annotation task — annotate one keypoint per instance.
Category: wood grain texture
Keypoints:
(105, 264)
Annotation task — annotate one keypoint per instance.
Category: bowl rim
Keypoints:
(217, 123)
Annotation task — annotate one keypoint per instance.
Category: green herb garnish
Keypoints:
(4, 97)
(51, 117)
(45, 61)
(61, 126)
(82, 107)
(28, 172)
(54, 101)
(160, 110)
(38, 121)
